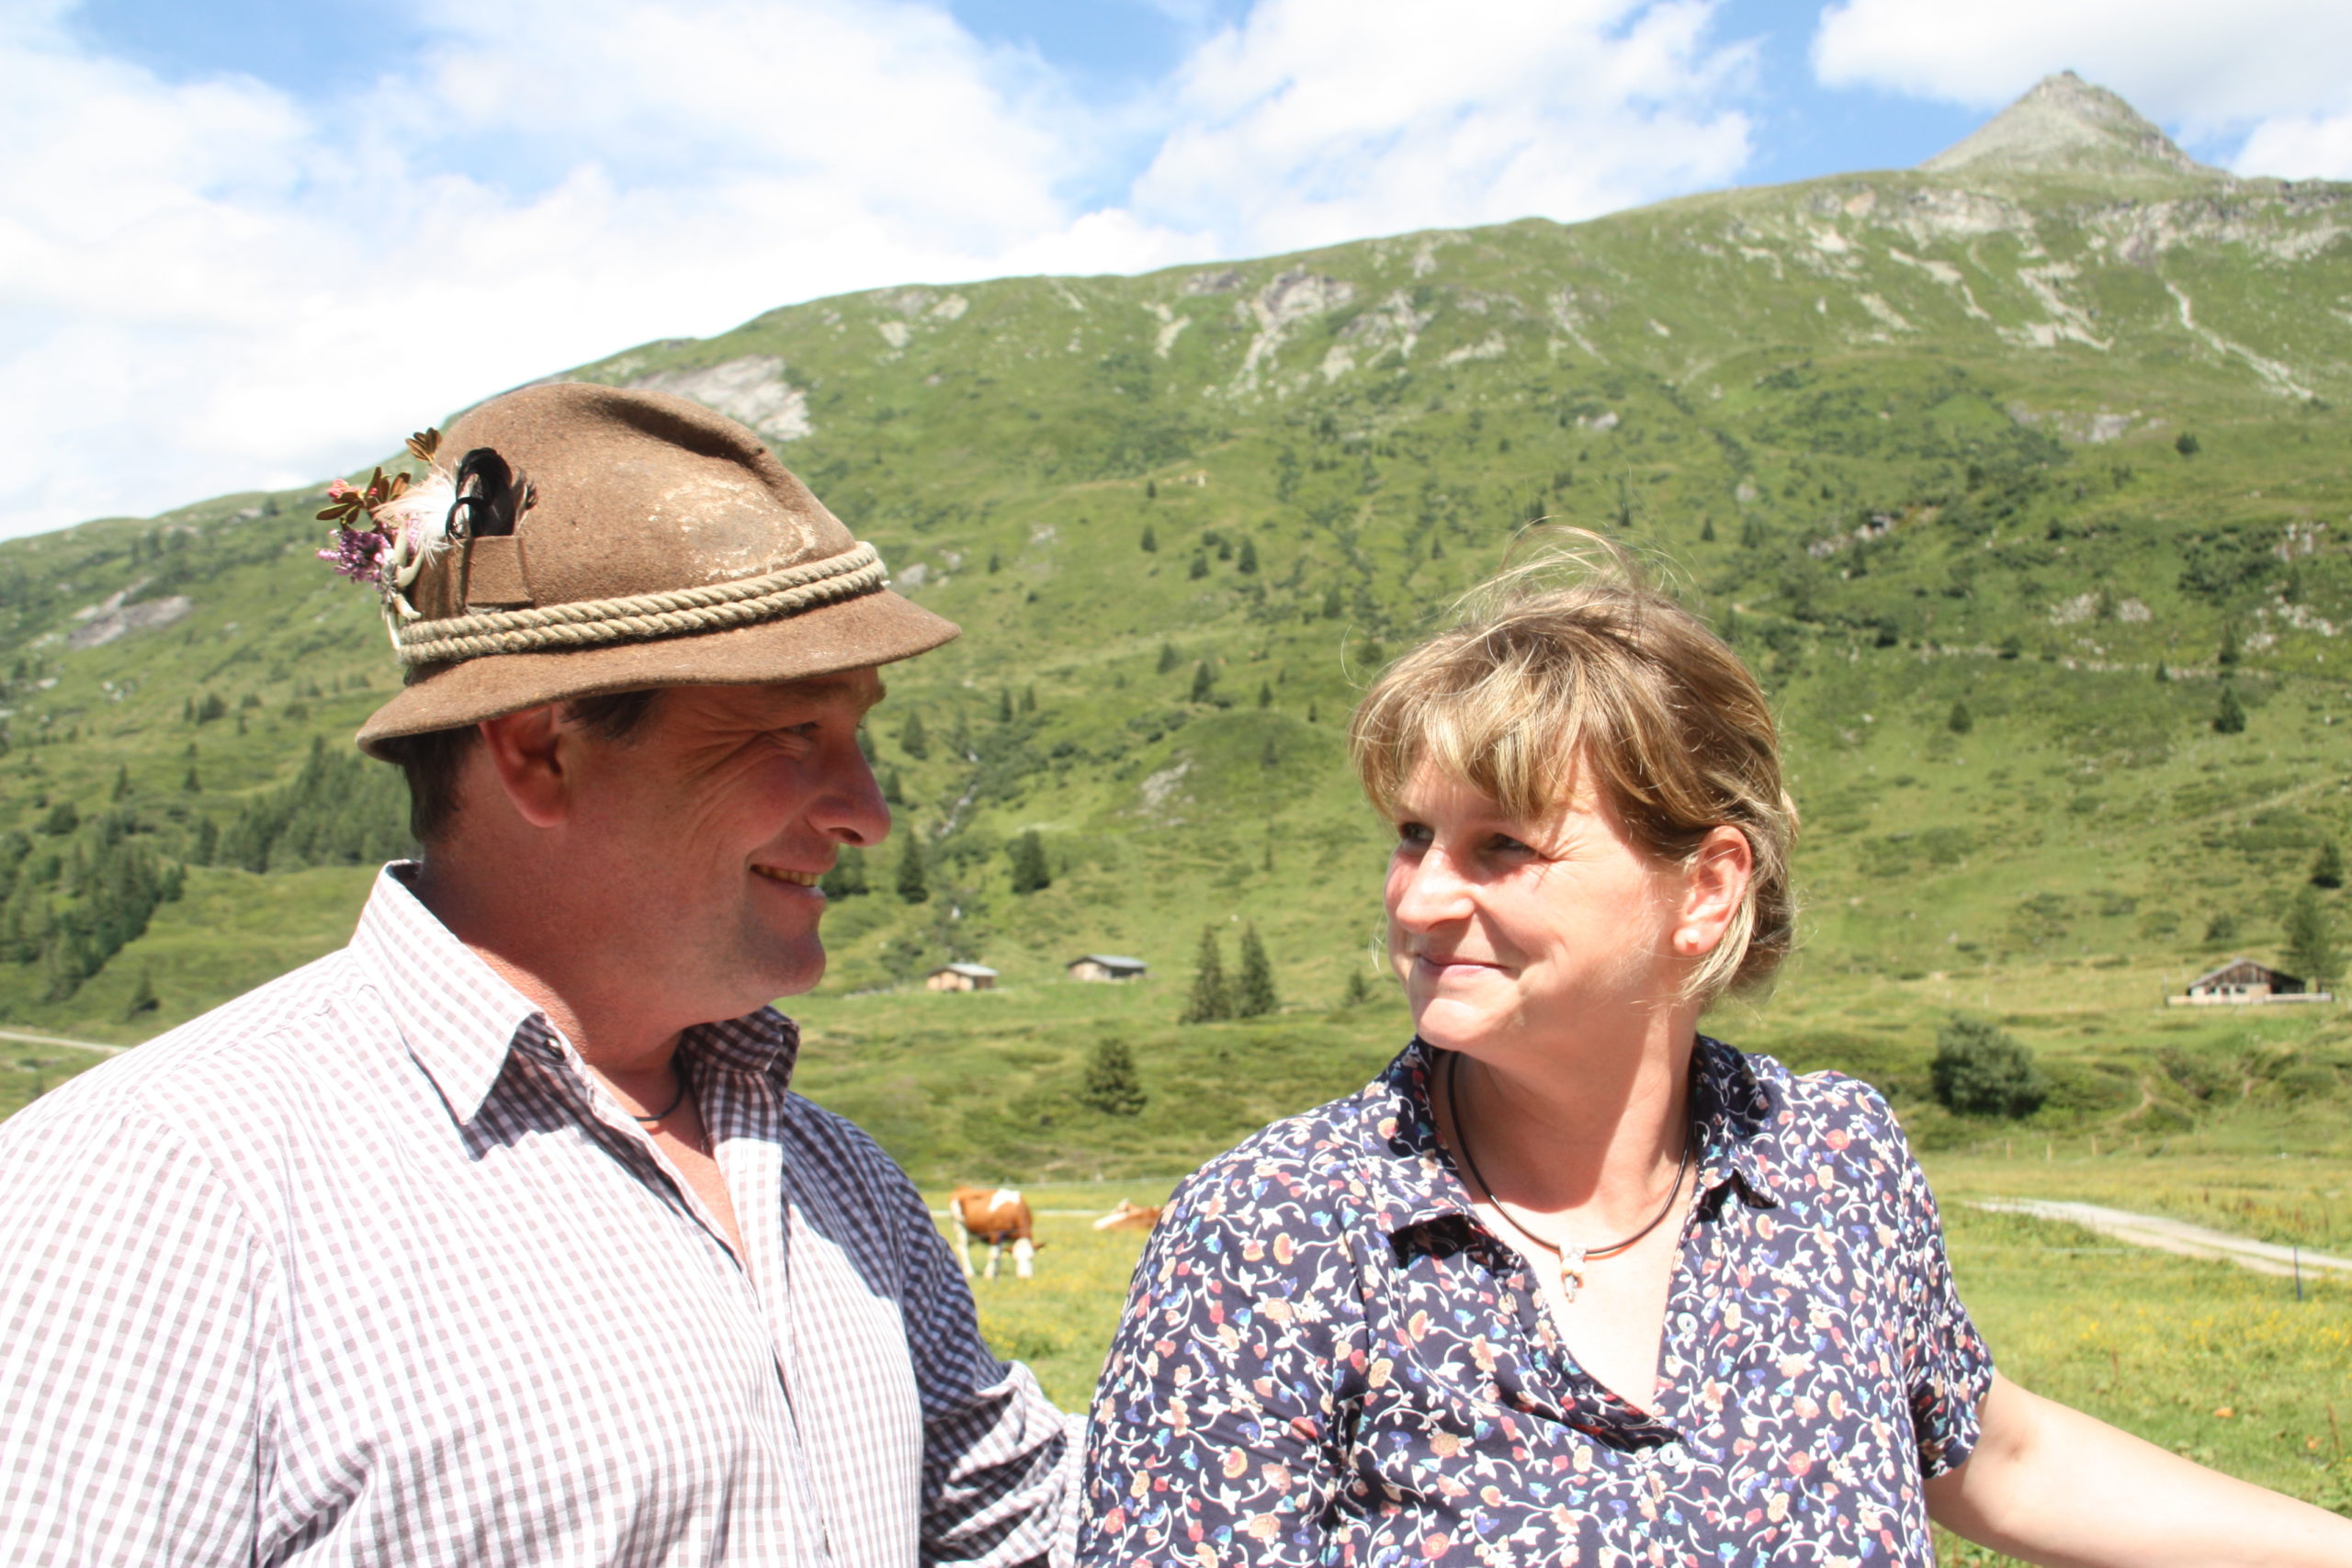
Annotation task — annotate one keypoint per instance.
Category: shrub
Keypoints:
(1111, 1086)
(1980, 1070)
(2327, 871)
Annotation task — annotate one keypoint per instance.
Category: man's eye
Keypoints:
(1412, 833)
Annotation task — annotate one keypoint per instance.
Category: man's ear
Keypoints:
(526, 756)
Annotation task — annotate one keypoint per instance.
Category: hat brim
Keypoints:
(874, 628)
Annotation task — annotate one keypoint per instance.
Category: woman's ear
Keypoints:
(1714, 886)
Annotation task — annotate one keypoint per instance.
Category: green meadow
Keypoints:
(2026, 493)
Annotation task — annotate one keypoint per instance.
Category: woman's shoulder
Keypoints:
(1824, 1108)
(1323, 1165)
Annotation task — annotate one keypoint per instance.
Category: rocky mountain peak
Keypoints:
(2064, 125)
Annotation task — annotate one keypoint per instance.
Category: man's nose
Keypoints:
(850, 810)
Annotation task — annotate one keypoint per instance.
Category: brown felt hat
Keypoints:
(603, 540)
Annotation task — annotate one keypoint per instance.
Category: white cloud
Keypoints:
(1320, 121)
(2271, 71)
(212, 286)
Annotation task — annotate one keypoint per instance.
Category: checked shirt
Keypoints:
(365, 1268)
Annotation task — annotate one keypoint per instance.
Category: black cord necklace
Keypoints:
(1572, 1260)
(680, 1098)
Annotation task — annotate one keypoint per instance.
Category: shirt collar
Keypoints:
(1413, 1181)
(461, 1020)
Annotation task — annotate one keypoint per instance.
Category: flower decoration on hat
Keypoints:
(388, 530)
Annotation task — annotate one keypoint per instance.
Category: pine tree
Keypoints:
(1209, 1000)
(1707, 532)
(847, 877)
(911, 739)
(1265, 695)
(1359, 989)
(893, 792)
(1334, 606)
(1168, 660)
(1254, 997)
(1959, 721)
(2311, 944)
(1004, 705)
(1150, 540)
(122, 781)
(1151, 489)
(1111, 1084)
(1248, 564)
(1028, 699)
(2327, 871)
(1200, 567)
(912, 887)
(1437, 546)
(1030, 871)
(1204, 682)
(143, 1000)
(996, 563)
(2230, 717)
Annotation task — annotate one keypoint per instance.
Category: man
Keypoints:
(495, 1237)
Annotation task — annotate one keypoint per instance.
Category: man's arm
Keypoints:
(999, 1461)
(2052, 1485)
(132, 1319)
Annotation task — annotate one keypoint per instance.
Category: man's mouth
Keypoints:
(797, 878)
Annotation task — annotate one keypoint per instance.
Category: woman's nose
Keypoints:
(1428, 890)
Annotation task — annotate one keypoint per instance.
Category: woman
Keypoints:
(1571, 1283)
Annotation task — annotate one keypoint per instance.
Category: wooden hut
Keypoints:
(2241, 981)
(961, 977)
(1104, 966)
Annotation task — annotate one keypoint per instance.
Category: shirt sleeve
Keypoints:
(1947, 1364)
(133, 1322)
(1221, 1425)
(999, 1461)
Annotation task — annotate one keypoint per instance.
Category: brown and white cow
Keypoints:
(995, 1218)
(1128, 1217)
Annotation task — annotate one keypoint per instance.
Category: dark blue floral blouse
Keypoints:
(1328, 1359)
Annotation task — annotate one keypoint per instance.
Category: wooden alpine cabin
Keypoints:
(2242, 982)
(1105, 967)
(961, 977)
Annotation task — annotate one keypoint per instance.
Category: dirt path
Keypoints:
(2173, 1235)
(53, 1040)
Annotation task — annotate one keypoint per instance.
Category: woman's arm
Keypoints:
(2054, 1486)
(1218, 1420)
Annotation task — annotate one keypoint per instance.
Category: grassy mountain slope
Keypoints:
(2000, 473)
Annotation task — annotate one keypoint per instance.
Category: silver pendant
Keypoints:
(1571, 1272)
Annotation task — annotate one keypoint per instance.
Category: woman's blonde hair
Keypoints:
(1536, 680)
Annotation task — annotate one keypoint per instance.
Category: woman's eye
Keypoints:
(1412, 834)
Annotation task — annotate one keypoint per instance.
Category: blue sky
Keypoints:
(228, 222)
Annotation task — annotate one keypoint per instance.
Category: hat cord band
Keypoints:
(674, 613)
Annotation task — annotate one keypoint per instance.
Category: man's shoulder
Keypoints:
(246, 1051)
(842, 1150)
